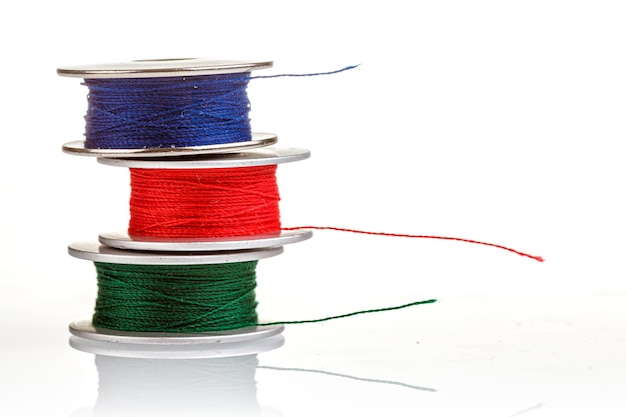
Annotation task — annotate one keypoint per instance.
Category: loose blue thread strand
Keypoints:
(171, 112)
(314, 74)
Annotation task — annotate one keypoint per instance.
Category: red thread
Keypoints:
(222, 202)
(537, 258)
(204, 203)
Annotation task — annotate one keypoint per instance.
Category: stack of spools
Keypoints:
(203, 204)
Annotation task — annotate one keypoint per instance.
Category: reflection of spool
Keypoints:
(149, 386)
(169, 380)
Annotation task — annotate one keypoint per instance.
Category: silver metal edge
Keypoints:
(256, 157)
(85, 329)
(161, 68)
(126, 242)
(198, 351)
(95, 252)
(259, 140)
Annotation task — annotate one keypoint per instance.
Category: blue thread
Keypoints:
(314, 74)
(171, 112)
(136, 113)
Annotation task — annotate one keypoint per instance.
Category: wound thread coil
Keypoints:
(169, 112)
(176, 298)
(196, 203)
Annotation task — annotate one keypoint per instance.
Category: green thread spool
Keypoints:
(176, 298)
(173, 298)
(185, 298)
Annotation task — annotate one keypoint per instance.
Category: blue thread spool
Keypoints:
(166, 107)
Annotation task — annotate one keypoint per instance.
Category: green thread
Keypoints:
(176, 298)
(186, 298)
(356, 313)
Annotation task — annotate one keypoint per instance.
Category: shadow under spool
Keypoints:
(131, 386)
(162, 380)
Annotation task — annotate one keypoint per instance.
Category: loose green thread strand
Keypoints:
(356, 313)
(186, 298)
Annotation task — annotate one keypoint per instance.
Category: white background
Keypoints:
(498, 121)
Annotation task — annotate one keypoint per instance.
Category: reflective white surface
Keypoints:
(491, 355)
(487, 120)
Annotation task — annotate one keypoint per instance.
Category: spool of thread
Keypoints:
(155, 293)
(169, 297)
(225, 202)
(157, 298)
(173, 298)
(159, 107)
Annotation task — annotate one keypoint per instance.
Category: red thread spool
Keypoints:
(214, 202)
(204, 203)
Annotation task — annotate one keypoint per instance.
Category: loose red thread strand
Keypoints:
(340, 229)
(223, 202)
